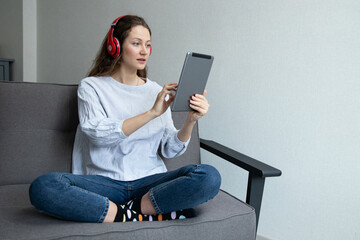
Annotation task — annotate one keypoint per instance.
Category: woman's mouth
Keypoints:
(141, 60)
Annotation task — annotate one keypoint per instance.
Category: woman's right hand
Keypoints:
(161, 105)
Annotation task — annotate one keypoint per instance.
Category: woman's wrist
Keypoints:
(190, 119)
(152, 114)
(186, 130)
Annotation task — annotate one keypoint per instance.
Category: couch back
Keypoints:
(37, 128)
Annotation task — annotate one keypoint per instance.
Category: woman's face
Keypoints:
(136, 48)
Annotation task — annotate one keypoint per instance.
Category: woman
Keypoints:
(118, 174)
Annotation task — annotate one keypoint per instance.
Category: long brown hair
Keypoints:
(104, 64)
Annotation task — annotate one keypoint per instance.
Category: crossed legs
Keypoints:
(96, 198)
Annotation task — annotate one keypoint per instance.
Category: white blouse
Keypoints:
(101, 148)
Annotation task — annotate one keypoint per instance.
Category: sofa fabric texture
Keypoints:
(38, 125)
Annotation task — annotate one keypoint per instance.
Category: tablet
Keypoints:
(193, 78)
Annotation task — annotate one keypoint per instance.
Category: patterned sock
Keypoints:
(182, 214)
(131, 212)
(134, 205)
(125, 214)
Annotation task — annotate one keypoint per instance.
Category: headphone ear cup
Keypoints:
(113, 45)
(117, 47)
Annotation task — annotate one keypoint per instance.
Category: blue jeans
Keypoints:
(85, 198)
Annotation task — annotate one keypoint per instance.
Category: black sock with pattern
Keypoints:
(134, 204)
(181, 214)
(125, 214)
(131, 212)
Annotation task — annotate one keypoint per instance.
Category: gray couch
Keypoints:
(37, 129)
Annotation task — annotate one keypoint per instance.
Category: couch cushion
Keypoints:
(224, 217)
(38, 124)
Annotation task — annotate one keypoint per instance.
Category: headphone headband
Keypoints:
(116, 20)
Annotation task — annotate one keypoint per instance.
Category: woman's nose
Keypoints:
(144, 49)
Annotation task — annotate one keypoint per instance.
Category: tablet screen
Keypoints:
(193, 78)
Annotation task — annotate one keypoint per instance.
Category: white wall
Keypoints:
(30, 40)
(284, 89)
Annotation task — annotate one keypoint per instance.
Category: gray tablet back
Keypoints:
(193, 80)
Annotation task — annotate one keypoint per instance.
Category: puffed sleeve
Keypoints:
(171, 146)
(100, 130)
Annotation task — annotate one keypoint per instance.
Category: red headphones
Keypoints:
(113, 44)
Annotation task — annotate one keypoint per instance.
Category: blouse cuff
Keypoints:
(181, 143)
(118, 129)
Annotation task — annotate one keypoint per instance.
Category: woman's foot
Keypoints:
(131, 212)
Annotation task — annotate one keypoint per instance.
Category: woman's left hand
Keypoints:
(200, 106)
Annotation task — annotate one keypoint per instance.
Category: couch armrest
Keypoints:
(258, 171)
(251, 165)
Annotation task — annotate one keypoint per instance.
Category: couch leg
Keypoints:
(254, 193)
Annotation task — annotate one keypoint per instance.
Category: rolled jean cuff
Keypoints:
(103, 215)
(190, 186)
(154, 203)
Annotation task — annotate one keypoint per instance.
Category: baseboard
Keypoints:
(259, 237)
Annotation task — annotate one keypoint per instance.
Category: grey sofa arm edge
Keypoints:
(258, 171)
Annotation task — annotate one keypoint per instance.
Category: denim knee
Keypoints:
(211, 179)
(40, 189)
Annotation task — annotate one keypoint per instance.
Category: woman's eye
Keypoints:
(148, 45)
(136, 44)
